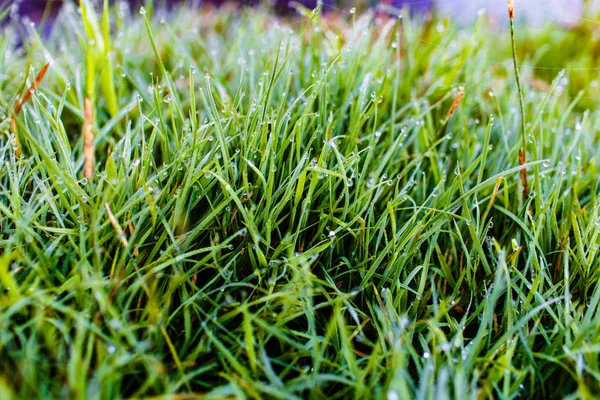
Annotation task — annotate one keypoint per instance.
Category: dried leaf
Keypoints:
(456, 102)
(523, 173)
(32, 88)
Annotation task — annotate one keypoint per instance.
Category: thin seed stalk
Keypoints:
(523, 150)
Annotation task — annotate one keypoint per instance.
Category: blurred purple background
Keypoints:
(35, 8)
(535, 11)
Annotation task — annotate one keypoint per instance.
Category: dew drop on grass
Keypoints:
(392, 395)
(111, 349)
(142, 11)
(353, 10)
(331, 234)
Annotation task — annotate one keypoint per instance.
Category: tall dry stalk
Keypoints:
(523, 150)
(88, 140)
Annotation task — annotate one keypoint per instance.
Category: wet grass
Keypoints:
(328, 206)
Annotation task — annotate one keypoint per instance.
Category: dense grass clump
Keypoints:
(328, 206)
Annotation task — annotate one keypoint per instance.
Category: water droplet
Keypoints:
(393, 395)
(142, 11)
(515, 245)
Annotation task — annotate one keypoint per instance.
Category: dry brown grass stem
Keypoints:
(116, 226)
(88, 140)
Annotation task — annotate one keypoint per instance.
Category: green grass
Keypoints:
(279, 209)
